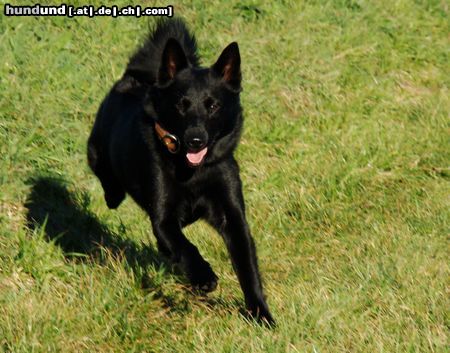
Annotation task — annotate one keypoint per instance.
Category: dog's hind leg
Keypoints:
(100, 165)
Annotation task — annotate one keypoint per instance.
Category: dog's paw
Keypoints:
(206, 286)
(203, 278)
(260, 312)
(114, 199)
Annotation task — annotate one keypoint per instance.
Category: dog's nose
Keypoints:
(195, 143)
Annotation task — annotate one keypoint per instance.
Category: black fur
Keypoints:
(164, 83)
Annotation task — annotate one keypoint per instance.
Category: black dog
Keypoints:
(165, 134)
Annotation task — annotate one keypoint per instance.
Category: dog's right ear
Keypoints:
(173, 60)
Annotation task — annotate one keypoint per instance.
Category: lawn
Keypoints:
(345, 162)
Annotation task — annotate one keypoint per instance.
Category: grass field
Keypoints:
(345, 160)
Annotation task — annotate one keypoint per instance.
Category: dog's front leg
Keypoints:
(229, 219)
(183, 252)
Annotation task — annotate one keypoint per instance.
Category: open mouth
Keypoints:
(196, 158)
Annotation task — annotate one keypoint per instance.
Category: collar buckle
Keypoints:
(169, 140)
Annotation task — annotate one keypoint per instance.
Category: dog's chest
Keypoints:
(191, 208)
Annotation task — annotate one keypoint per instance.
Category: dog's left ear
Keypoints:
(173, 60)
(228, 66)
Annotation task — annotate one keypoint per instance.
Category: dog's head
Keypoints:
(200, 106)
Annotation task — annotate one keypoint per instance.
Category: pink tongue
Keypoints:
(196, 158)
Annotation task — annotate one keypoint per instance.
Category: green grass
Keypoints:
(345, 160)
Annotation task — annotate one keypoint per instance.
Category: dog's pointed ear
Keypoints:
(173, 60)
(228, 66)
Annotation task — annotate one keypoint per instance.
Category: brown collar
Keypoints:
(170, 141)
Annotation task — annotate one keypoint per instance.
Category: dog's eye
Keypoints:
(183, 105)
(211, 106)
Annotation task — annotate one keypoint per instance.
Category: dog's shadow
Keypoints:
(65, 219)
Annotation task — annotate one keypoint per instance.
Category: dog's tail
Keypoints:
(144, 64)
